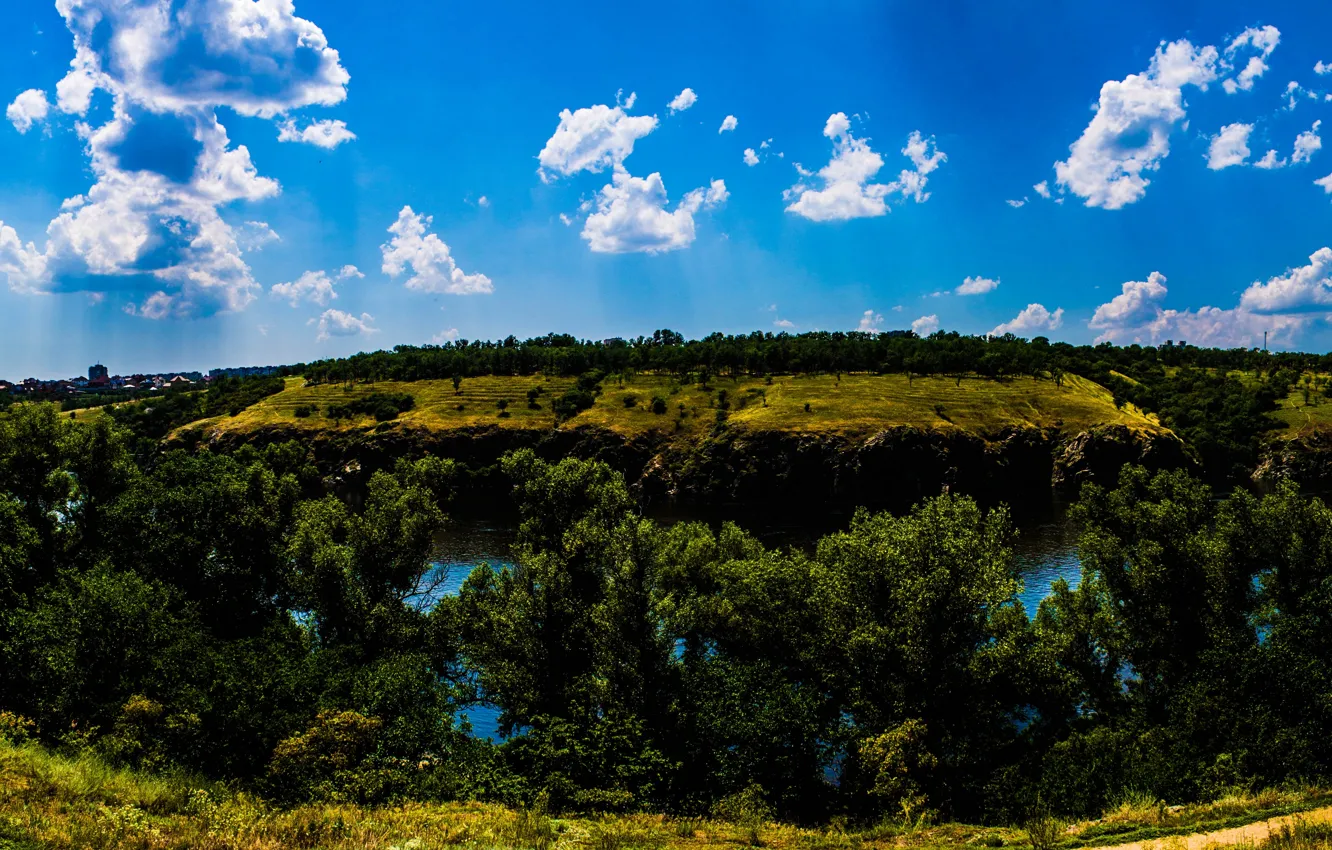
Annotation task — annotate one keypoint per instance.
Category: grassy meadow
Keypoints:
(59, 802)
(803, 403)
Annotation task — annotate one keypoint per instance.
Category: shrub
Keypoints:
(630, 400)
(659, 405)
(305, 411)
(328, 760)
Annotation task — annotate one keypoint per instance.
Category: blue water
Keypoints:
(1045, 551)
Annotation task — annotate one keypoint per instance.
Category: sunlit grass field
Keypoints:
(804, 403)
(54, 801)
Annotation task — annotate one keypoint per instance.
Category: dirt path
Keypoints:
(1251, 834)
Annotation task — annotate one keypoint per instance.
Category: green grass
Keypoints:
(53, 801)
(1303, 418)
(853, 404)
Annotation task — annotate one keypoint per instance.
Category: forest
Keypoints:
(219, 613)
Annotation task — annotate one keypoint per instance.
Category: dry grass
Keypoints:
(803, 403)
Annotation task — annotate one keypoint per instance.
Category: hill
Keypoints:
(806, 404)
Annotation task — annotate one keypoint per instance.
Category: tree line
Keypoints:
(217, 612)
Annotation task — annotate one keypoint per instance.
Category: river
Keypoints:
(1046, 550)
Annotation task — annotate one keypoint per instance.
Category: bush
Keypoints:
(658, 405)
(328, 760)
(305, 411)
(630, 400)
(382, 406)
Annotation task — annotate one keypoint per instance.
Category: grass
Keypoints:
(803, 403)
(53, 801)
(1303, 418)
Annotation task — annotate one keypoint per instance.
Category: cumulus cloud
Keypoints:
(870, 322)
(1270, 160)
(1229, 147)
(784, 324)
(349, 271)
(1303, 289)
(29, 108)
(1321, 68)
(1043, 189)
(682, 101)
(430, 260)
(1264, 40)
(751, 157)
(729, 123)
(315, 287)
(337, 323)
(1307, 144)
(1034, 317)
(1137, 314)
(631, 215)
(325, 134)
(925, 325)
(163, 164)
(1016, 203)
(976, 286)
(847, 192)
(593, 139)
(450, 335)
(1130, 133)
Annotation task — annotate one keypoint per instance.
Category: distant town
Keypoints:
(99, 380)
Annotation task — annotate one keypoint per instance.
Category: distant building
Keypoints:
(98, 371)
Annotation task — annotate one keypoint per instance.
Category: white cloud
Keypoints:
(870, 322)
(324, 134)
(1307, 144)
(254, 235)
(1229, 147)
(432, 264)
(1263, 39)
(450, 335)
(729, 123)
(29, 108)
(593, 139)
(483, 202)
(1034, 317)
(1269, 161)
(1136, 314)
(349, 271)
(682, 101)
(1321, 68)
(785, 324)
(315, 287)
(751, 157)
(977, 286)
(1016, 204)
(1300, 290)
(847, 192)
(1130, 133)
(163, 164)
(1136, 304)
(1043, 189)
(925, 325)
(337, 323)
(631, 215)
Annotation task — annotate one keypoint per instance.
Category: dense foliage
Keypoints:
(219, 612)
(156, 417)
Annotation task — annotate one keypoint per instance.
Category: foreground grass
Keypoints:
(50, 801)
(852, 404)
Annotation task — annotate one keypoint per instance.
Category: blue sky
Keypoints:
(212, 204)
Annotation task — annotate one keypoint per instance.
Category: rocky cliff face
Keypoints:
(1305, 460)
(780, 471)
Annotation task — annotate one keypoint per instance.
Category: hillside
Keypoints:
(812, 404)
